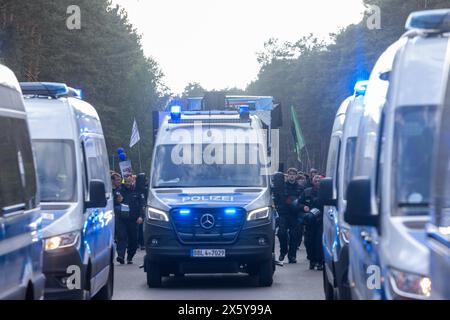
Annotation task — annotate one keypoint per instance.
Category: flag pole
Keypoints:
(139, 152)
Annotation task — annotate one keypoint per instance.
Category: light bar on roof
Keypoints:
(429, 20)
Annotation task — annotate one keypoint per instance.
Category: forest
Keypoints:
(105, 58)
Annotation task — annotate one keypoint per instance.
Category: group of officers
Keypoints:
(129, 204)
(300, 214)
(295, 197)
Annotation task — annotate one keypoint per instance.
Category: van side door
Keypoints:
(20, 246)
(330, 214)
(98, 168)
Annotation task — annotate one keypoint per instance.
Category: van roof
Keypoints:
(46, 117)
(419, 69)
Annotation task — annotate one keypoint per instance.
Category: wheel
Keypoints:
(266, 273)
(327, 287)
(107, 291)
(153, 275)
(344, 292)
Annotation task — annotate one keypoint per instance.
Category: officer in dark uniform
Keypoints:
(142, 185)
(130, 216)
(313, 224)
(288, 210)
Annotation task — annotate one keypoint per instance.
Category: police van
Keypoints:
(75, 189)
(341, 156)
(21, 244)
(438, 230)
(388, 201)
(209, 204)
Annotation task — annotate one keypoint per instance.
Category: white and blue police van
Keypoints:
(21, 243)
(340, 164)
(438, 230)
(209, 204)
(75, 190)
(388, 201)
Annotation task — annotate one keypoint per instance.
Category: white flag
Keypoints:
(134, 135)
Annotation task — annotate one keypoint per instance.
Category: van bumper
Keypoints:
(175, 257)
(56, 272)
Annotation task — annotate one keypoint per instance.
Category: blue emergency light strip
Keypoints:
(432, 20)
(230, 211)
(185, 212)
(50, 89)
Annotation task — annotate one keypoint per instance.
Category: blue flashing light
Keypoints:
(51, 89)
(175, 112)
(361, 88)
(432, 20)
(244, 109)
(185, 212)
(230, 211)
(244, 112)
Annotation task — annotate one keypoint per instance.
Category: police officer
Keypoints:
(131, 215)
(289, 226)
(116, 181)
(312, 173)
(142, 187)
(313, 224)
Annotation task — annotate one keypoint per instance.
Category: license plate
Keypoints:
(208, 253)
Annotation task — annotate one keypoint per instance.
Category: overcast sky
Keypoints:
(214, 42)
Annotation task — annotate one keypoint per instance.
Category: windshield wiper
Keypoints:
(414, 205)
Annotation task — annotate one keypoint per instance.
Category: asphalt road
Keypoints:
(291, 282)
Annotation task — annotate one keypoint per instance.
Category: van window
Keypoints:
(333, 158)
(11, 99)
(26, 161)
(11, 190)
(350, 151)
(56, 169)
(168, 174)
(415, 128)
(97, 161)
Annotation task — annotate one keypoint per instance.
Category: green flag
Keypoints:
(297, 132)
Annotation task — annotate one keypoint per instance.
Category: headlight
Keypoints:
(409, 285)
(257, 214)
(155, 214)
(62, 241)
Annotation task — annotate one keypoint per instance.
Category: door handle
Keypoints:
(330, 214)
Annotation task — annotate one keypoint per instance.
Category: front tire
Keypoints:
(106, 293)
(153, 275)
(266, 273)
(327, 287)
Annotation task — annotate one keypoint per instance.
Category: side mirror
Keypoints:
(326, 192)
(97, 194)
(359, 209)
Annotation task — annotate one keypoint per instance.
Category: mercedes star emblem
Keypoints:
(207, 221)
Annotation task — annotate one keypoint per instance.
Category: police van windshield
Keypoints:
(412, 157)
(55, 160)
(177, 166)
